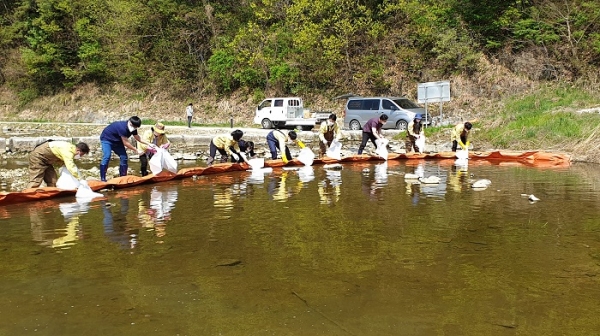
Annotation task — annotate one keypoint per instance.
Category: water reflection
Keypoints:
(282, 187)
(154, 209)
(44, 231)
(458, 178)
(330, 188)
(115, 224)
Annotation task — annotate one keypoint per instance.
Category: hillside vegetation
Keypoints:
(87, 60)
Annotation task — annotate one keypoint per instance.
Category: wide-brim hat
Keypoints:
(159, 128)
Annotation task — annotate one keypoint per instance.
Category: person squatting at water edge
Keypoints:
(413, 132)
(226, 144)
(328, 132)
(372, 131)
(156, 136)
(276, 139)
(460, 134)
(115, 138)
(246, 147)
(49, 153)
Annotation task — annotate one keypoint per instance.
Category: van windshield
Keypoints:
(405, 103)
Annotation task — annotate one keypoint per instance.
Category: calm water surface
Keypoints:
(312, 252)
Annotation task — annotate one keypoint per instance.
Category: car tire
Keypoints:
(266, 124)
(401, 125)
(354, 125)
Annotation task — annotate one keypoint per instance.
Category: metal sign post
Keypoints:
(434, 92)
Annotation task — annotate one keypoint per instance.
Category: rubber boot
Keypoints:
(103, 169)
(123, 170)
(210, 161)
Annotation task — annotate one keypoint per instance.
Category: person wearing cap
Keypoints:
(414, 131)
(156, 136)
(276, 139)
(226, 144)
(328, 132)
(372, 131)
(115, 138)
(459, 136)
(54, 152)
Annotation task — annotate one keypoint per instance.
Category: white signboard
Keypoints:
(433, 92)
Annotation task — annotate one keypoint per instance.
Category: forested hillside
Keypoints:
(254, 48)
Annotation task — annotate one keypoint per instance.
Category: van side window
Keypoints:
(354, 104)
(294, 102)
(371, 104)
(278, 102)
(386, 104)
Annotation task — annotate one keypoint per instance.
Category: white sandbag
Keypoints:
(420, 142)
(256, 163)
(382, 148)
(156, 162)
(162, 160)
(335, 150)
(306, 156)
(85, 192)
(66, 180)
(168, 162)
(462, 154)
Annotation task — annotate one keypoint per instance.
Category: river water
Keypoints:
(353, 252)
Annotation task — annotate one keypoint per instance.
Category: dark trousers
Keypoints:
(410, 143)
(189, 119)
(455, 143)
(274, 145)
(144, 163)
(366, 136)
(213, 152)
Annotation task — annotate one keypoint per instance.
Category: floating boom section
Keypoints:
(532, 158)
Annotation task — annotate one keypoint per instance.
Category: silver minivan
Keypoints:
(400, 111)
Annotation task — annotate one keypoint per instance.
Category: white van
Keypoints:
(283, 112)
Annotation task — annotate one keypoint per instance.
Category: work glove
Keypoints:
(301, 144)
(462, 145)
(325, 142)
(467, 144)
(285, 160)
(243, 155)
(141, 152)
(235, 156)
(165, 146)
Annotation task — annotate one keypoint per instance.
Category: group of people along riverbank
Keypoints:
(115, 138)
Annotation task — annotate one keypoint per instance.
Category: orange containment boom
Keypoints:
(532, 158)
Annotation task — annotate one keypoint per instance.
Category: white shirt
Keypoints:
(189, 110)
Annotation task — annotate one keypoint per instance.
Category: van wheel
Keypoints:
(354, 125)
(401, 125)
(266, 124)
